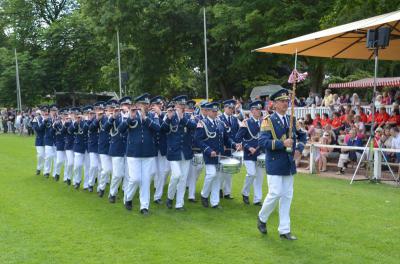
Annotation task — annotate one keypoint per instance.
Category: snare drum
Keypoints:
(229, 165)
(239, 156)
(261, 160)
(197, 159)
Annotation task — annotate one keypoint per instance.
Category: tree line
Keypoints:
(70, 45)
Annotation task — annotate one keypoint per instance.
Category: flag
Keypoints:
(299, 77)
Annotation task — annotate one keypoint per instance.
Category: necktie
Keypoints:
(285, 122)
(230, 121)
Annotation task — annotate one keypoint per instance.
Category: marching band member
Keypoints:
(93, 148)
(162, 164)
(39, 128)
(60, 133)
(103, 143)
(49, 149)
(211, 137)
(79, 130)
(279, 148)
(195, 169)
(248, 135)
(141, 151)
(117, 150)
(69, 150)
(232, 127)
(178, 127)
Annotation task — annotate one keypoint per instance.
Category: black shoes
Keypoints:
(262, 227)
(258, 204)
(192, 200)
(111, 198)
(101, 193)
(180, 208)
(90, 188)
(37, 172)
(56, 177)
(128, 206)
(246, 199)
(77, 185)
(228, 196)
(216, 206)
(68, 181)
(288, 236)
(221, 194)
(144, 211)
(169, 203)
(204, 201)
(158, 201)
(46, 175)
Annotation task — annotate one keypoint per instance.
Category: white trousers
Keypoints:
(40, 157)
(177, 182)
(280, 188)
(118, 172)
(69, 165)
(49, 159)
(255, 177)
(60, 159)
(226, 183)
(160, 177)
(94, 167)
(86, 169)
(79, 159)
(194, 173)
(141, 170)
(106, 168)
(211, 184)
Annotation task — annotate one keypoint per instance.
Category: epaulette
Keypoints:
(266, 124)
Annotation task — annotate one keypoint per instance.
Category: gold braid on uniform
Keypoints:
(267, 125)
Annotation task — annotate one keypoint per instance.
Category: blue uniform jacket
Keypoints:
(248, 136)
(232, 128)
(161, 139)
(69, 136)
(93, 136)
(278, 161)
(214, 139)
(79, 130)
(104, 134)
(141, 136)
(60, 132)
(179, 137)
(38, 127)
(118, 137)
(49, 132)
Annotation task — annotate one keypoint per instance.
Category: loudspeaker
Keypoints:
(383, 37)
(378, 38)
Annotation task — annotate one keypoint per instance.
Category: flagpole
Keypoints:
(292, 101)
(205, 49)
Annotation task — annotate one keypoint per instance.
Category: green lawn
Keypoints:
(42, 221)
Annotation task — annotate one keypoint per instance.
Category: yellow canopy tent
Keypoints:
(346, 41)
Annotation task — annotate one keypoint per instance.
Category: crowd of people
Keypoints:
(16, 122)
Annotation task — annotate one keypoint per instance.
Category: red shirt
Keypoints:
(316, 120)
(379, 118)
(364, 117)
(394, 119)
(336, 122)
(325, 122)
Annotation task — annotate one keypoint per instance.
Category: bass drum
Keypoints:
(261, 160)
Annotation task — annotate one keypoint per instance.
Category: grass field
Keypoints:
(42, 221)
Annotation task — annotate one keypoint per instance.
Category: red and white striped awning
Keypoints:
(368, 82)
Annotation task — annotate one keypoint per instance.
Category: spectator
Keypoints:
(378, 101)
(328, 98)
(396, 142)
(386, 139)
(325, 120)
(310, 100)
(394, 119)
(349, 155)
(316, 120)
(359, 124)
(323, 152)
(318, 100)
(18, 123)
(377, 138)
(355, 100)
(386, 100)
(336, 122)
(309, 121)
(382, 117)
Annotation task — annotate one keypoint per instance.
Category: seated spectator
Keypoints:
(308, 121)
(394, 119)
(378, 101)
(359, 124)
(377, 137)
(349, 155)
(360, 111)
(323, 152)
(336, 122)
(310, 99)
(331, 133)
(317, 119)
(381, 117)
(325, 120)
(386, 100)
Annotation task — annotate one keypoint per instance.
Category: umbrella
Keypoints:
(264, 90)
(368, 82)
(346, 41)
